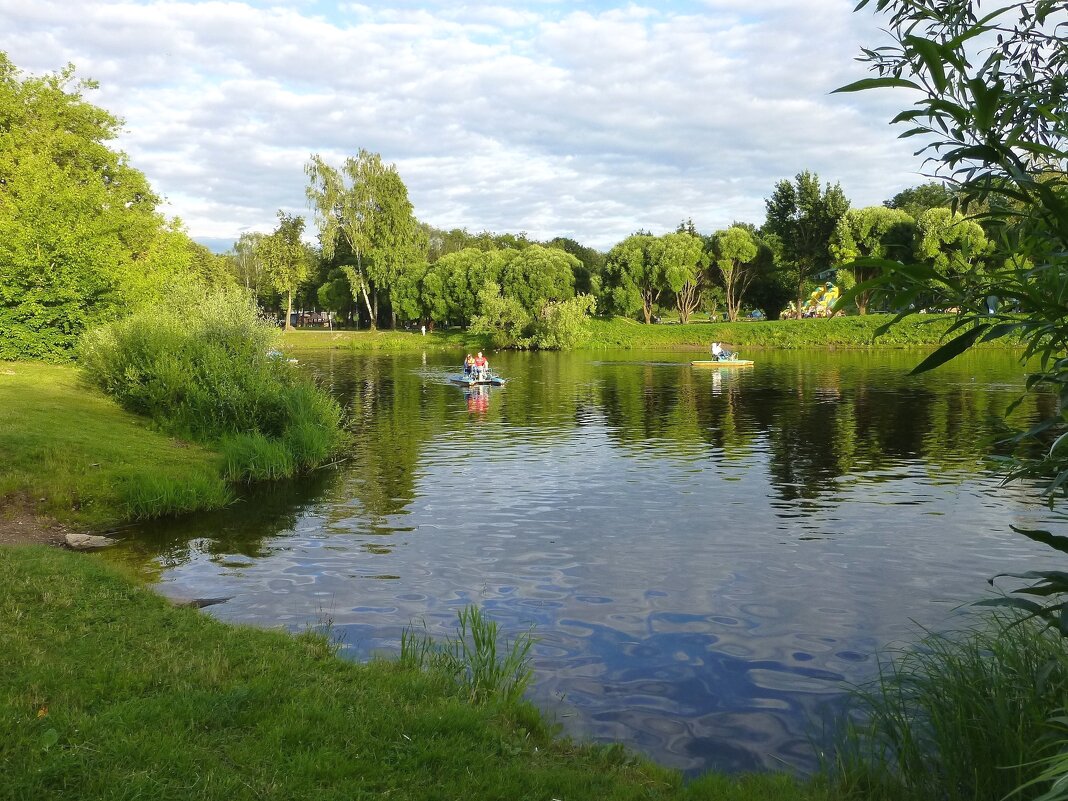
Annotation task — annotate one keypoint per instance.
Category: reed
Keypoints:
(482, 664)
(959, 717)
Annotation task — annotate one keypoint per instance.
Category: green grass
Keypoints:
(384, 340)
(111, 693)
(622, 333)
(840, 332)
(74, 454)
(960, 717)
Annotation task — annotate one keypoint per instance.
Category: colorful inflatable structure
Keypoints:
(819, 304)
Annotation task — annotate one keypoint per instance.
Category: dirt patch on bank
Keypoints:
(20, 525)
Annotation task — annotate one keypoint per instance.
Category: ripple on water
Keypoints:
(706, 560)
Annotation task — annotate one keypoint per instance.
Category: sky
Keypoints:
(583, 119)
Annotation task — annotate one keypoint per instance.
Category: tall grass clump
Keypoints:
(478, 660)
(961, 717)
(200, 365)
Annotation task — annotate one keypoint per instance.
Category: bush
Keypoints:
(562, 325)
(503, 320)
(959, 717)
(201, 367)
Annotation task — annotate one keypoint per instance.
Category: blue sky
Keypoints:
(581, 119)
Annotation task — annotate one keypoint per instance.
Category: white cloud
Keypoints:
(551, 118)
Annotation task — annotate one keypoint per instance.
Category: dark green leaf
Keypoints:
(932, 56)
(950, 350)
(876, 83)
(1046, 538)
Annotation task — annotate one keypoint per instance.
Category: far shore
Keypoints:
(859, 332)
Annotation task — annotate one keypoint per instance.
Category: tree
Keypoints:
(631, 278)
(285, 258)
(804, 217)
(366, 202)
(875, 232)
(918, 199)
(588, 274)
(81, 241)
(536, 275)
(682, 260)
(735, 251)
(948, 242)
(245, 263)
(642, 267)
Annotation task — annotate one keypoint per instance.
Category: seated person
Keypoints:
(481, 365)
(469, 364)
(721, 354)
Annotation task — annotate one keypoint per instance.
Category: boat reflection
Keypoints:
(478, 398)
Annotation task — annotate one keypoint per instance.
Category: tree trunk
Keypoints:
(289, 311)
(367, 303)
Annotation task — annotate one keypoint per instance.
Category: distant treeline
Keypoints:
(82, 243)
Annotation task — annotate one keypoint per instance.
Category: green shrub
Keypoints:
(562, 325)
(201, 367)
(959, 717)
(502, 319)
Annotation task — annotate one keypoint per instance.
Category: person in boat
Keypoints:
(721, 354)
(469, 364)
(481, 366)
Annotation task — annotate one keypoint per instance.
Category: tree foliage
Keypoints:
(366, 203)
(80, 238)
(804, 217)
(641, 268)
(285, 259)
(915, 200)
(875, 232)
(735, 251)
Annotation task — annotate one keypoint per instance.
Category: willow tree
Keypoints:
(735, 251)
(366, 202)
(632, 276)
(682, 260)
(875, 232)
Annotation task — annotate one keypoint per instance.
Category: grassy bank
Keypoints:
(385, 341)
(622, 333)
(113, 693)
(71, 453)
(839, 332)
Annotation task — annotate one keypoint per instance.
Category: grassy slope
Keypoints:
(76, 455)
(384, 340)
(110, 693)
(618, 332)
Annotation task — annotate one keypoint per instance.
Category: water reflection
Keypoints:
(706, 555)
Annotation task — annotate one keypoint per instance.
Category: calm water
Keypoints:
(707, 556)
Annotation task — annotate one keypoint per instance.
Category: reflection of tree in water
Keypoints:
(393, 416)
(816, 420)
(819, 418)
(243, 528)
